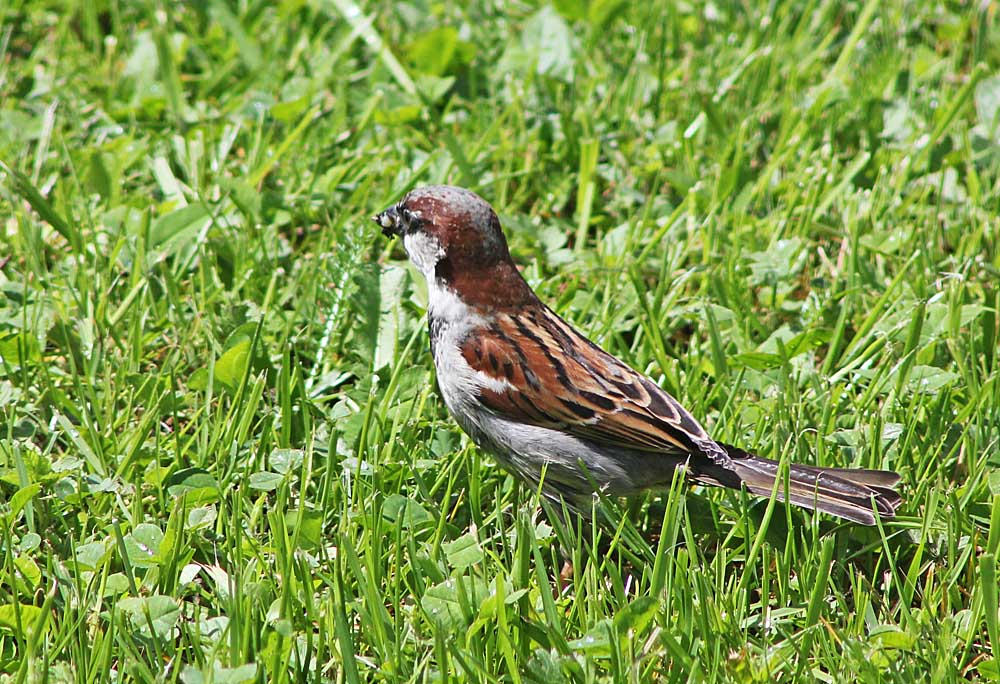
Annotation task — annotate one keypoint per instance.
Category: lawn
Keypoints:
(224, 457)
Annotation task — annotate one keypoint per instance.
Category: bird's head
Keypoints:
(453, 236)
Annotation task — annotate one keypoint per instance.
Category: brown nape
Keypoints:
(498, 286)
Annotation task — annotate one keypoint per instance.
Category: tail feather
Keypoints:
(852, 494)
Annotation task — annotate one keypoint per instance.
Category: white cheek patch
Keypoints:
(424, 251)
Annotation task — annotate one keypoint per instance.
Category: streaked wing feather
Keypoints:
(557, 378)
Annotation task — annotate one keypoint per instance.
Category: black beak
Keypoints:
(389, 222)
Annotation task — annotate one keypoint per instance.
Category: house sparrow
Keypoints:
(542, 398)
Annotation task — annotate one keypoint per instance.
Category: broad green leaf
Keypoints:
(463, 552)
(216, 673)
(432, 51)
(286, 460)
(197, 485)
(92, 555)
(9, 615)
(143, 545)
(162, 611)
(231, 367)
(201, 517)
(22, 497)
(265, 481)
(116, 585)
(929, 379)
(890, 636)
(30, 542)
(989, 669)
(783, 261)
(308, 526)
(290, 111)
(17, 349)
(637, 615)
(596, 641)
(178, 229)
(198, 380)
(404, 511)
(29, 571)
(449, 611)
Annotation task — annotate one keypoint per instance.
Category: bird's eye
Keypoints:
(411, 219)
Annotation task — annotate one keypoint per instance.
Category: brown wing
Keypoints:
(560, 379)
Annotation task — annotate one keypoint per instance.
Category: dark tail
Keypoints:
(849, 493)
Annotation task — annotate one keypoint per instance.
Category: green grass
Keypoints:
(223, 457)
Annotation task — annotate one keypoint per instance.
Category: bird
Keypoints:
(555, 409)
